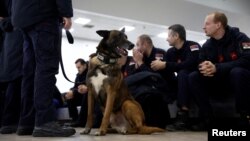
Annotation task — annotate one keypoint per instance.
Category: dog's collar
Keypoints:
(106, 59)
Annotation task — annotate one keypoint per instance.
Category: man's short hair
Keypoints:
(82, 61)
(146, 38)
(220, 17)
(179, 29)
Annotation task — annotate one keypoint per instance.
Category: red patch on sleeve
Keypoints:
(234, 55)
(220, 58)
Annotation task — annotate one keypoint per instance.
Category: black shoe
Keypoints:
(177, 126)
(24, 131)
(202, 125)
(8, 129)
(181, 123)
(244, 121)
(53, 129)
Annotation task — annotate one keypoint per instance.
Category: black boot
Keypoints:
(8, 129)
(201, 125)
(53, 129)
(244, 120)
(181, 123)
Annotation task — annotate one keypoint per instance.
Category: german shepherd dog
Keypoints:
(105, 85)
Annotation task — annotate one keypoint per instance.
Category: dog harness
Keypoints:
(106, 59)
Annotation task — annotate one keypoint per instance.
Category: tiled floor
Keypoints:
(167, 136)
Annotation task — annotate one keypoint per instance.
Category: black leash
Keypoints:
(71, 41)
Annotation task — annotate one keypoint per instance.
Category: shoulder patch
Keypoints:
(246, 45)
(194, 47)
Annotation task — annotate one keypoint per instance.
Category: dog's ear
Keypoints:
(123, 30)
(103, 33)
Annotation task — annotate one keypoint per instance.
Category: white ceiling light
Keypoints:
(163, 35)
(82, 21)
(127, 28)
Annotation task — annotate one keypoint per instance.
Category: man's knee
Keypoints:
(236, 74)
(183, 74)
(194, 76)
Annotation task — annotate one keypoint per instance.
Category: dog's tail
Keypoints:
(149, 130)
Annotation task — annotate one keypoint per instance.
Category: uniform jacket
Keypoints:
(185, 58)
(233, 50)
(80, 79)
(156, 53)
(11, 48)
(29, 12)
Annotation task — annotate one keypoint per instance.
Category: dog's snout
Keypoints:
(131, 46)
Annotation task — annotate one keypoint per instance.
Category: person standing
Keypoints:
(11, 70)
(41, 22)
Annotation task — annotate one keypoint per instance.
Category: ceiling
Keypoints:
(154, 16)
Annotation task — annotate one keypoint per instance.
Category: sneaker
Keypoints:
(8, 129)
(24, 131)
(181, 122)
(53, 129)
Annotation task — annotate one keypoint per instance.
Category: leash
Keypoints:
(71, 41)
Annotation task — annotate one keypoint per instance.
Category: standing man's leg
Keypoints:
(27, 115)
(2, 97)
(46, 38)
(11, 111)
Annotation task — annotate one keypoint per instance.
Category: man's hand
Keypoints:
(82, 89)
(69, 95)
(158, 65)
(137, 56)
(67, 23)
(207, 68)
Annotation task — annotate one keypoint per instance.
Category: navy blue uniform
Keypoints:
(183, 61)
(149, 89)
(156, 53)
(231, 56)
(40, 23)
(11, 67)
(36, 11)
(11, 50)
(77, 98)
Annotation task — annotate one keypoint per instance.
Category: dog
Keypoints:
(105, 85)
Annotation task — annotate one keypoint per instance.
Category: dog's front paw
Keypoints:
(124, 132)
(100, 133)
(85, 131)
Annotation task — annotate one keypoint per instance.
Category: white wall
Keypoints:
(80, 49)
